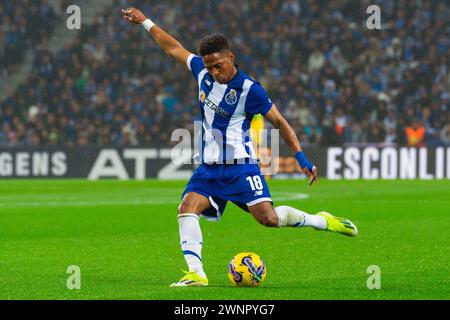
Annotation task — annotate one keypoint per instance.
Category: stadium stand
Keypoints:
(336, 81)
(24, 24)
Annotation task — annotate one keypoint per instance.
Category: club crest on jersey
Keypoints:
(231, 98)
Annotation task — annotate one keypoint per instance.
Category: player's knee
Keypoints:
(269, 219)
(183, 207)
(187, 206)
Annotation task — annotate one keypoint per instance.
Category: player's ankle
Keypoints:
(202, 274)
(198, 270)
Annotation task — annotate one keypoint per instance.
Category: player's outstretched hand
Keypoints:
(313, 175)
(133, 15)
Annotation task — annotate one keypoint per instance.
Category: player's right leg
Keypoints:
(285, 216)
(292, 217)
(192, 205)
(249, 191)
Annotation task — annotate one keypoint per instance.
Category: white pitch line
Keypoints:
(284, 196)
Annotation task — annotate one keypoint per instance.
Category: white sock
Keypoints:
(191, 241)
(291, 217)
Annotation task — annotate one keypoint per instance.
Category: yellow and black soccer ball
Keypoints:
(246, 269)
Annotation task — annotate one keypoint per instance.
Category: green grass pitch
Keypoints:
(124, 237)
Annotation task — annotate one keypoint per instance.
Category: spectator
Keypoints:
(415, 134)
(445, 135)
(316, 61)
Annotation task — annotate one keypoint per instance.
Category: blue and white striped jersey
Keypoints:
(226, 114)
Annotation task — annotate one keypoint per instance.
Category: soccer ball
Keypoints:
(246, 269)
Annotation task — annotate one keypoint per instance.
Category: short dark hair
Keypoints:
(212, 44)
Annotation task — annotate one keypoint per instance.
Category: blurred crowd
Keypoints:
(23, 25)
(335, 80)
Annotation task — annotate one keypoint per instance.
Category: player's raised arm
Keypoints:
(288, 134)
(168, 43)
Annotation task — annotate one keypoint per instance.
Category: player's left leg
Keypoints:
(191, 240)
(285, 216)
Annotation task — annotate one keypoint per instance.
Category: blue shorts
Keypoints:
(241, 184)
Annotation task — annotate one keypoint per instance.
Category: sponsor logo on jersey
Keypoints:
(202, 96)
(218, 110)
